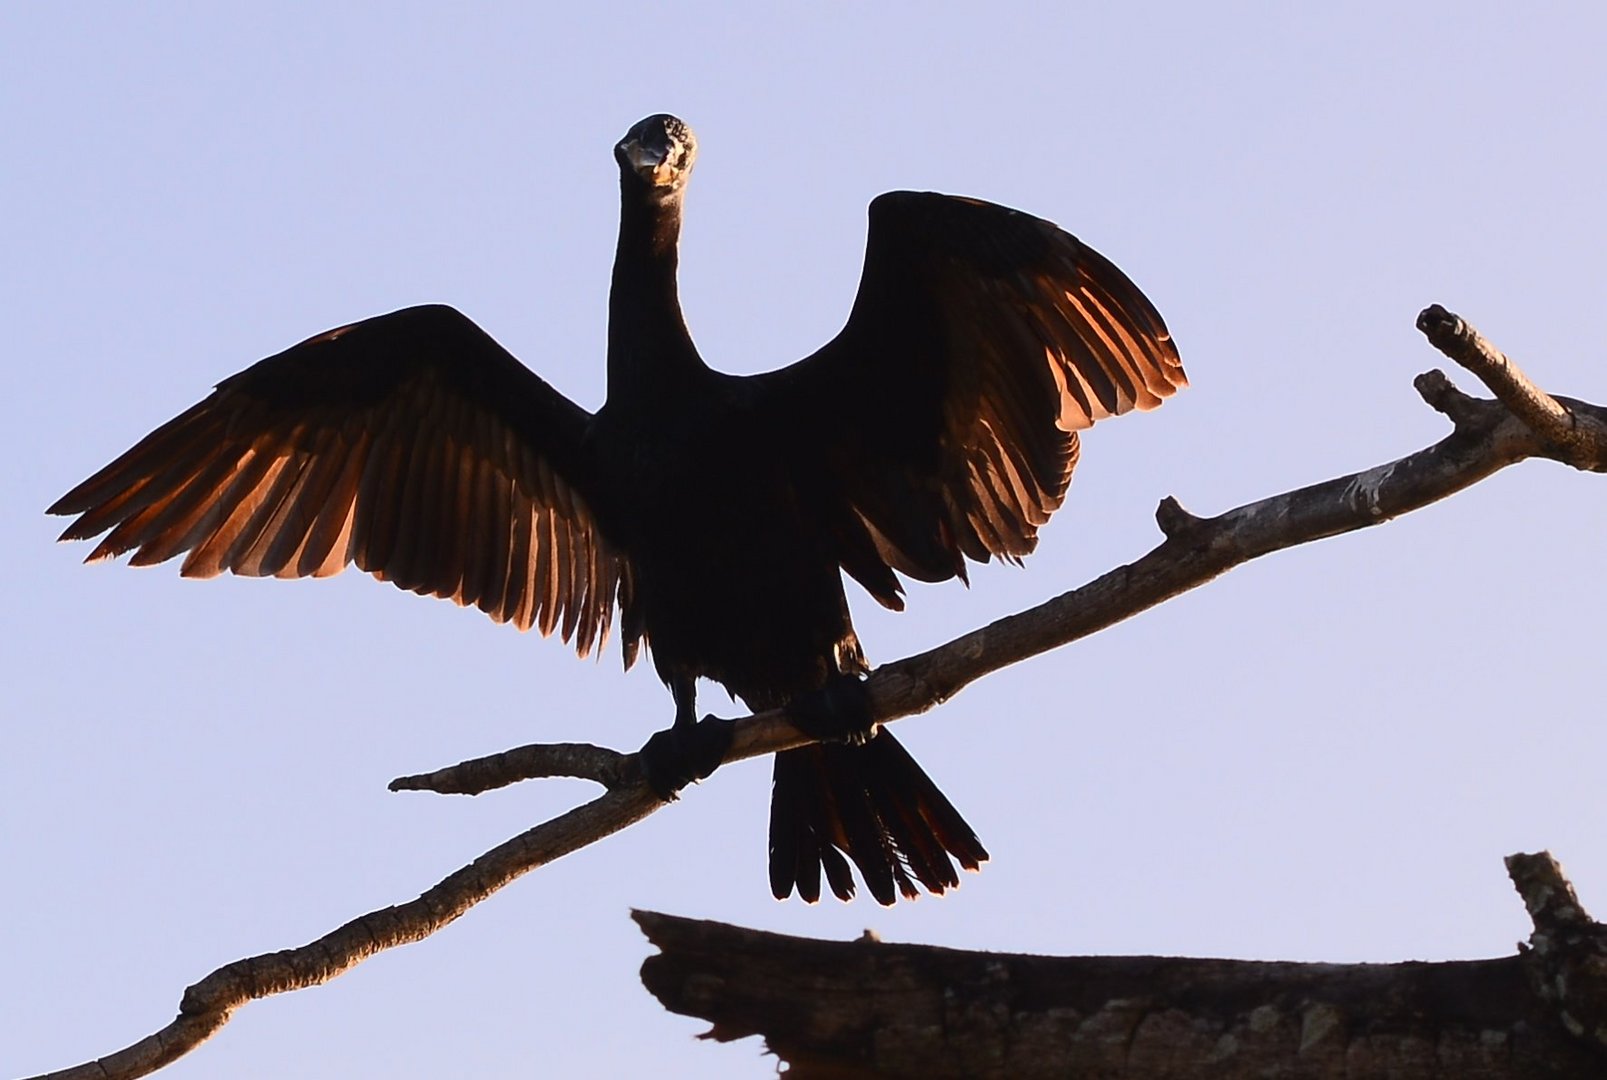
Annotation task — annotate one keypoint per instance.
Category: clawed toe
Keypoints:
(684, 754)
(840, 711)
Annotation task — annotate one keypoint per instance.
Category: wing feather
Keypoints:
(378, 502)
(401, 569)
(477, 541)
(286, 535)
(235, 506)
(329, 548)
(507, 556)
(411, 444)
(942, 421)
(544, 576)
(187, 515)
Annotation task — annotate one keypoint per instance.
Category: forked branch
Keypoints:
(1522, 422)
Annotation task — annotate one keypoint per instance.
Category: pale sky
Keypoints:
(1322, 756)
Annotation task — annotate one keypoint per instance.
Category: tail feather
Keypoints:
(806, 832)
(873, 804)
(848, 820)
(938, 819)
(838, 874)
(917, 848)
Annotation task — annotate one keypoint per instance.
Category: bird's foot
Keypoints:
(838, 712)
(684, 754)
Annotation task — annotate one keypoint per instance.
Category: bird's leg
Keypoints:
(689, 749)
(838, 712)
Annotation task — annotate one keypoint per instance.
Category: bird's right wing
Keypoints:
(411, 444)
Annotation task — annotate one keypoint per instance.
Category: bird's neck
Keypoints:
(649, 347)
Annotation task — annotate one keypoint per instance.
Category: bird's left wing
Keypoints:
(946, 411)
(411, 444)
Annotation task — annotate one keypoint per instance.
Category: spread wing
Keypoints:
(947, 410)
(411, 444)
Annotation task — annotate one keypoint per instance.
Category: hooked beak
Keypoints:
(652, 163)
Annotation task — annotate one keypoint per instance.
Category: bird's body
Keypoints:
(720, 540)
(718, 511)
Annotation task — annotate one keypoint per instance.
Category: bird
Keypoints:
(711, 517)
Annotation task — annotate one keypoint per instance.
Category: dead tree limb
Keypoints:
(848, 1009)
(1488, 435)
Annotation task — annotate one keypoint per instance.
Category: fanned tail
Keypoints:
(873, 804)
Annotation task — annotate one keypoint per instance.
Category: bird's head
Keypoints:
(659, 151)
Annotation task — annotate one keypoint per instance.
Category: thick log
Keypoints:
(835, 1009)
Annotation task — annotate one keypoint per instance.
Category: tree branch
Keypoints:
(862, 1008)
(1488, 436)
(1579, 440)
(207, 1005)
(537, 761)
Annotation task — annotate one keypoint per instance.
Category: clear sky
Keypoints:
(1322, 756)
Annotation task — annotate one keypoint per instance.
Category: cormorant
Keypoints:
(718, 511)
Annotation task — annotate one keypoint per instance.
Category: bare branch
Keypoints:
(841, 1009)
(154, 1051)
(1547, 893)
(1466, 413)
(207, 1005)
(609, 768)
(1488, 437)
(1582, 439)
(1567, 955)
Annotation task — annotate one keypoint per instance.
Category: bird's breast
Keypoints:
(735, 575)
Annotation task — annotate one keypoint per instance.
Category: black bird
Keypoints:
(718, 511)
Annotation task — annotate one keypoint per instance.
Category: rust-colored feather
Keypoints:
(236, 503)
(379, 502)
(410, 444)
(287, 531)
(245, 554)
(544, 574)
(328, 545)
